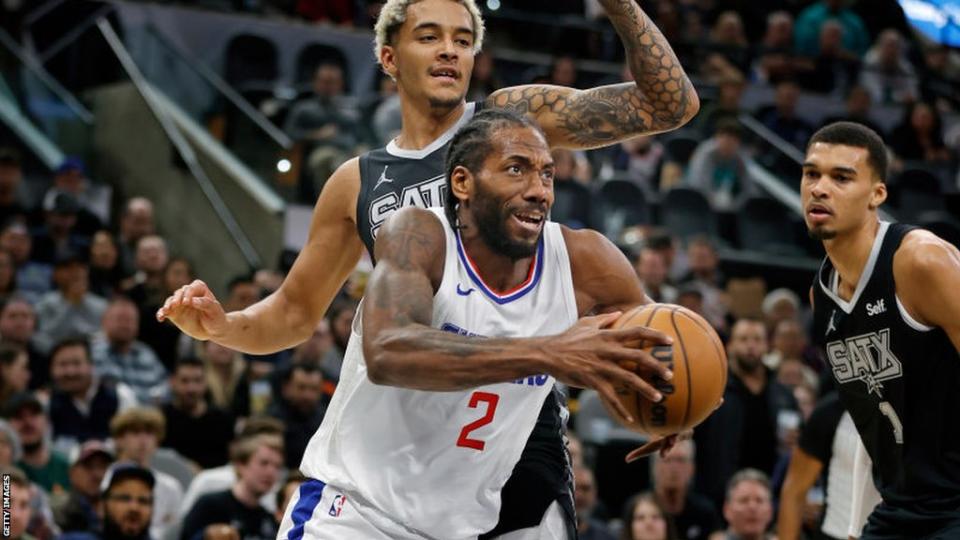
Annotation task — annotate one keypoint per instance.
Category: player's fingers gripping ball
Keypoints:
(699, 364)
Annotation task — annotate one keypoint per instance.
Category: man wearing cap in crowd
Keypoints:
(71, 309)
(79, 510)
(41, 464)
(71, 177)
(127, 502)
(58, 237)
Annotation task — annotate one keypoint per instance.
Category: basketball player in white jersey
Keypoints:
(470, 315)
(428, 47)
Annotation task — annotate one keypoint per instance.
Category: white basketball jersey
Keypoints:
(433, 463)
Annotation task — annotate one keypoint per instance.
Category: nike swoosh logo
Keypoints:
(462, 292)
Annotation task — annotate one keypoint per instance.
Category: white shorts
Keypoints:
(318, 511)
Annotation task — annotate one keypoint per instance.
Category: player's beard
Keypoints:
(444, 103)
(821, 233)
(491, 218)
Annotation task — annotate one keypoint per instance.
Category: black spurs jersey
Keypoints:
(899, 379)
(392, 178)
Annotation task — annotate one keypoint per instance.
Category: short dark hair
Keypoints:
(9, 157)
(187, 361)
(729, 126)
(859, 136)
(9, 353)
(71, 341)
(472, 144)
(309, 369)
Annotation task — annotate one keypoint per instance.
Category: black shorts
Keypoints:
(891, 523)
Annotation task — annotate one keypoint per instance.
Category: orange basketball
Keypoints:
(699, 365)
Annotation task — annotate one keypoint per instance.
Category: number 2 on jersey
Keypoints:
(491, 400)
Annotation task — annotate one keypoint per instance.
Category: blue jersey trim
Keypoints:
(498, 298)
(310, 493)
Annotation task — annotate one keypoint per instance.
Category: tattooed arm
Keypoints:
(661, 99)
(402, 349)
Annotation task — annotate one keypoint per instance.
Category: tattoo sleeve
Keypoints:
(661, 99)
(400, 346)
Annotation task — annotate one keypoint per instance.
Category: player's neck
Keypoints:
(499, 272)
(423, 124)
(849, 254)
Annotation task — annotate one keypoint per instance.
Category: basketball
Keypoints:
(699, 364)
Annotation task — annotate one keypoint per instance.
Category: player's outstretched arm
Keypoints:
(288, 316)
(803, 472)
(402, 349)
(927, 272)
(661, 99)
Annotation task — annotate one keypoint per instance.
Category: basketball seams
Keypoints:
(636, 395)
(686, 364)
(710, 332)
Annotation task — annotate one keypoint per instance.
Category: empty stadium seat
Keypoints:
(941, 224)
(915, 191)
(572, 205)
(314, 54)
(763, 224)
(251, 62)
(619, 204)
(686, 212)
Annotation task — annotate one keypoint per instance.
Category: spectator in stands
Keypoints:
(136, 222)
(484, 80)
(780, 305)
(257, 461)
(690, 297)
(822, 462)
(17, 508)
(887, 73)
(58, 237)
(652, 270)
(18, 322)
(196, 430)
(811, 19)
(744, 431)
(693, 515)
(834, 68)
(326, 122)
(11, 187)
(748, 507)
(78, 510)
(316, 347)
(146, 288)
(71, 309)
(705, 275)
(727, 106)
(71, 178)
(792, 373)
(119, 357)
(299, 408)
(729, 41)
(340, 316)
(226, 376)
(137, 433)
(223, 477)
(161, 337)
(45, 467)
(919, 135)
(290, 486)
(782, 118)
(585, 499)
(8, 276)
(387, 119)
(242, 291)
(775, 60)
(789, 343)
(106, 271)
(33, 278)
(718, 167)
(941, 76)
(645, 519)
(81, 404)
(857, 109)
(641, 158)
(10, 449)
(129, 503)
(14, 371)
(563, 71)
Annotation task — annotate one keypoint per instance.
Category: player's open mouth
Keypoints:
(529, 221)
(445, 74)
(818, 212)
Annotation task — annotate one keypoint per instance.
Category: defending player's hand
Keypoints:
(590, 355)
(195, 311)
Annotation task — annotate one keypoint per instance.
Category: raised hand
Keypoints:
(195, 311)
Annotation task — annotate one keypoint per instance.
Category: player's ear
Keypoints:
(879, 195)
(388, 61)
(461, 183)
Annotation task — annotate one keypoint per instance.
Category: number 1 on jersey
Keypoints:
(491, 400)
(887, 410)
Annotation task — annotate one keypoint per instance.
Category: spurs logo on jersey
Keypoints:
(426, 194)
(867, 358)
